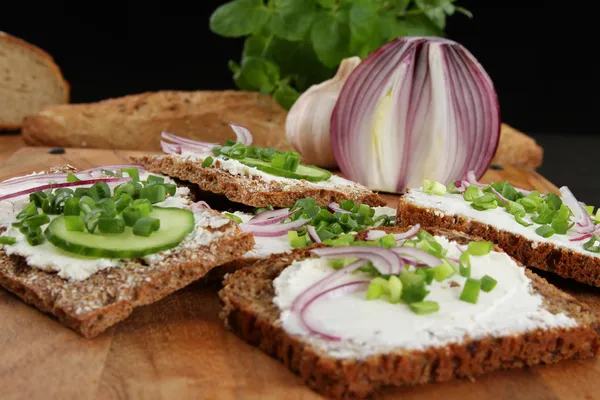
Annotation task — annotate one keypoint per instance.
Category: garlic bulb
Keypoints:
(307, 123)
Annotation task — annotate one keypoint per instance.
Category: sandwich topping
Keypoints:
(241, 158)
(77, 224)
(542, 218)
(356, 299)
(306, 223)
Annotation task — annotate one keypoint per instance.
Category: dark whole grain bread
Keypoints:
(545, 256)
(253, 192)
(249, 312)
(91, 306)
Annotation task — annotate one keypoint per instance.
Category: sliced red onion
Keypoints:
(243, 134)
(583, 237)
(170, 148)
(186, 141)
(417, 254)
(417, 108)
(273, 230)
(269, 217)
(582, 218)
(199, 205)
(312, 232)
(469, 180)
(502, 198)
(33, 178)
(472, 179)
(337, 291)
(319, 286)
(61, 185)
(113, 168)
(375, 234)
(384, 260)
(335, 207)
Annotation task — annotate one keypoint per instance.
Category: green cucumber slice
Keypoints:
(307, 172)
(175, 225)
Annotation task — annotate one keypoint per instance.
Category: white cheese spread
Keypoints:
(74, 267)
(265, 246)
(376, 326)
(455, 204)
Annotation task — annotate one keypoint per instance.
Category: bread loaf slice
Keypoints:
(250, 313)
(135, 122)
(29, 81)
(252, 191)
(546, 256)
(92, 305)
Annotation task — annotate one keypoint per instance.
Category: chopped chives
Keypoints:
(395, 289)
(464, 265)
(471, 193)
(374, 291)
(443, 272)
(479, 248)
(155, 179)
(233, 217)
(433, 187)
(145, 226)
(488, 283)
(424, 307)
(470, 292)
(72, 178)
(9, 240)
(591, 246)
(154, 194)
(37, 220)
(545, 231)
(35, 238)
(111, 225)
(133, 173)
(74, 223)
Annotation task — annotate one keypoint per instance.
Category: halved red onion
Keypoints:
(337, 291)
(584, 223)
(312, 233)
(319, 286)
(61, 185)
(417, 108)
(273, 230)
(335, 207)
(243, 134)
(417, 255)
(269, 217)
(384, 260)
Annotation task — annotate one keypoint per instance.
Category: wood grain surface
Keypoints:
(178, 349)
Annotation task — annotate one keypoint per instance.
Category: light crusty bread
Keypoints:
(135, 122)
(249, 311)
(518, 149)
(29, 81)
(109, 296)
(249, 191)
(545, 256)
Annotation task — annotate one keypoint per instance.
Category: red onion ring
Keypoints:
(312, 232)
(270, 217)
(190, 142)
(317, 287)
(243, 134)
(170, 148)
(417, 254)
(61, 185)
(384, 260)
(273, 230)
(335, 207)
(582, 218)
(409, 234)
(502, 198)
(337, 291)
(197, 205)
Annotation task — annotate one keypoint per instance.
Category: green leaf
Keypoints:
(254, 46)
(330, 39)
(390, 27)
(286, 95)
(420, 25)
(364, 30)
(400, 5)
(239, 80)
(464, 11)
(435, 10)
(239, 18)
(260, 74)
(293, 19)
(326, 3)
(299, 60)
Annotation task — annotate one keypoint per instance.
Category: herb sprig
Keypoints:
(293, 44)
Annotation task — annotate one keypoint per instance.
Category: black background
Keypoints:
(540, 55)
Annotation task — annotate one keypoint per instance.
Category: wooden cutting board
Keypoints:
(178, 349)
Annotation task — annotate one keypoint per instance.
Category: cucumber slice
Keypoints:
(175, 225)
(307, 172)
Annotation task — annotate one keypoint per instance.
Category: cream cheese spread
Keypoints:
(455, 204)
(74, 267)
(265, 246)
(235, 167)
(377, 326)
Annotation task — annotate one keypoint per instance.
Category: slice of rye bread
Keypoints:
(253, 191)
(109, 296)
(248, 310)
(545, 256)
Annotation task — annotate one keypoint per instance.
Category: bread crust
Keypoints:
(49, 61)
(545, 256)
(135, 122)
(252, 192)
(248, 311)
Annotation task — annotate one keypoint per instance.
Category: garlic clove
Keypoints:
(307, 124)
